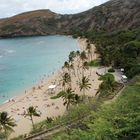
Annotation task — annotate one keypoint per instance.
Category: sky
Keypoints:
(12, 7)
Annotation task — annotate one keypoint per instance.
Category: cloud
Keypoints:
(12, 7)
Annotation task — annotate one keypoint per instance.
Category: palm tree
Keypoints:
(31, 111)
(108, 84)
(6, 124)
(85, 66)
(77, 99)
(66, 79)
(78, 64)
(67, 66)
(84, 84)
(72, 55)
(88, 48)
(73, 69)
(69, 98)
(77, 53)
(83, 56)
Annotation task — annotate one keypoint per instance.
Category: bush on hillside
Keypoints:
(111, 70)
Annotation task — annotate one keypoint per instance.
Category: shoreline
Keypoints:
(41, 98)
(22, 94)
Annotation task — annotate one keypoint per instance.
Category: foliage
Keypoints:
(74, 113)
(32, 111)
(68, 96)
(119, 120)
(94, 63)
(111, 70)
(84, 84)
(66, 79)
(6, 124)
(108, 86)
(60, 94)
(119, 49)
(83, 56)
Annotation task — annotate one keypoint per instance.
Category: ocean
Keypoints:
(24, 61)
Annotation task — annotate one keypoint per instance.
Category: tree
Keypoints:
(67, 66)
(72, 68)
(72, 55)
(69, 97)
(85, 66)
(83, 56)
(89, 51)
(6, 124)
(31, 111)
(78, 63)
(108, 85)
(66, 79)
(84, 84)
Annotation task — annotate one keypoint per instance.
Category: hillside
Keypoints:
(112, 16)
(116, 121)
(26, 24)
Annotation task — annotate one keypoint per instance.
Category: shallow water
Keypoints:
(23, 61)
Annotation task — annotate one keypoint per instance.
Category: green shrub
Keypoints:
(111, 70)
(94, 63)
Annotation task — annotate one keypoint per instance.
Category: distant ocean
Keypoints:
(24, 61)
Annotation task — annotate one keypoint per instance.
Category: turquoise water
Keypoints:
(23, 61)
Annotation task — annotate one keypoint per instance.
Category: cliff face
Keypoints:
(112, 16)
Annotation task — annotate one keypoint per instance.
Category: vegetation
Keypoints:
(106, 122)
(111, 70)
(94, 63)
(119, 120)
(119, 49)
(31, 111)
(108, 86)
(6, 125)
(84, 85)
(66, 80)
(74, 113)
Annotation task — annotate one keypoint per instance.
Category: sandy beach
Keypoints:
(39, 96)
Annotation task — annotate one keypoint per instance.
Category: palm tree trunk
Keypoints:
(82, 72)
(67, 107)
(6, 136)
(84, 93)
(32, 122)
(74, 72)
(78, 73)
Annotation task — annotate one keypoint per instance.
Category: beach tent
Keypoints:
(51, 88)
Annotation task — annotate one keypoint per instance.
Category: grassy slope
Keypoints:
(116, 121)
